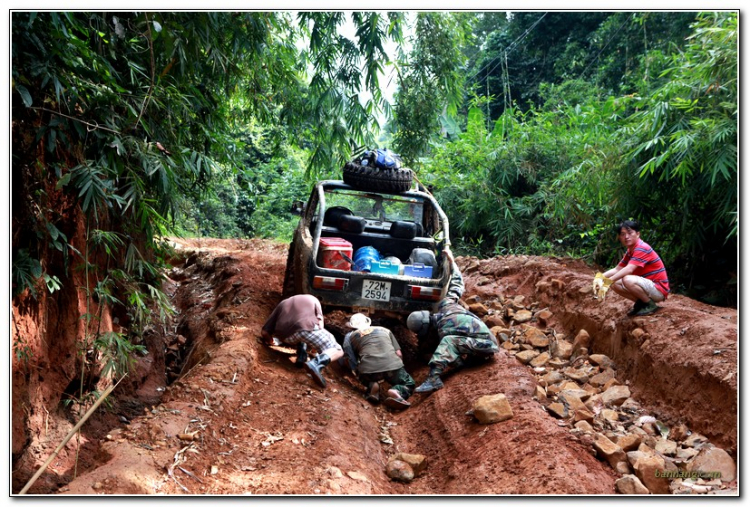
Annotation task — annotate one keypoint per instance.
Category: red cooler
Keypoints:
(332, 252)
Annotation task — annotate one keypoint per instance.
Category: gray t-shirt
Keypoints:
(374, 349)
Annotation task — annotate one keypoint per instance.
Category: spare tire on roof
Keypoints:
(367, 177)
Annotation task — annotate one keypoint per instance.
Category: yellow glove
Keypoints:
(601, 286)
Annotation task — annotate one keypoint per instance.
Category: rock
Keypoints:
(649, 469)
(540, 360)
(584, 426)
(630, 485)
(594, 403)
(399, 471)
(522, 316)
(686, 454)
(615, 395)
(608, 450)
(535, 337)
(634, 456)
(509, 313)
(526, 356)
(638, 334)
(558, 410)
(492, 408)
(551, 378)
(543, 316)
(591, 390)
(600, 360)
(584, 415)
(335, 472)
(499, 330)
(561, 349)
(581, 341)
(714, 459)
(630, 405)
(629, 442)
(623, 468)
(509, 345)
(600, 379)
(695, 440)
(611, 383)
(497, 305)
(576, 375)
(540, 394)
(478, 309)
(570, 399)
(554, 389)
(558, 363)
(666, 447)
(646, 447)
(417, 462)
(679, 432)
(609, 415)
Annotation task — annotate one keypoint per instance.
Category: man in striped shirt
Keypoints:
(640, 276)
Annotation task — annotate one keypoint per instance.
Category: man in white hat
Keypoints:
(374, 355)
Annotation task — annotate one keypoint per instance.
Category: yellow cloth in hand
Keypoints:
(601, 286)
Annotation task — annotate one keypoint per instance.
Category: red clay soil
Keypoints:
(240, 418)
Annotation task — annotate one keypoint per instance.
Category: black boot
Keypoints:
(301, 355)
(433, 382)
(315, 367)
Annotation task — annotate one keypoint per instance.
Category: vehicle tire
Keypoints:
(289, 289)
(365, 177)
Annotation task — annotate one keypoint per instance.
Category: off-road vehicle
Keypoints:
(406, 227)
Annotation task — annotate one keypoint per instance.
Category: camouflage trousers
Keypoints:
(399, 379)
(453, 350)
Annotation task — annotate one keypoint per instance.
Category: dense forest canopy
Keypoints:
(538, 131)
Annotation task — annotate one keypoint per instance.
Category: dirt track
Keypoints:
(241, 419)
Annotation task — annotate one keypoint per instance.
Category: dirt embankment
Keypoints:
(240, 418)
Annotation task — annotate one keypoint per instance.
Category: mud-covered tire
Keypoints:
(365, 177)
(289, 289)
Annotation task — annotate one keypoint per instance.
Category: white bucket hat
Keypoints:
(359, 321)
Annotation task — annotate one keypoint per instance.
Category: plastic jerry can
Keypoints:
(364, 257)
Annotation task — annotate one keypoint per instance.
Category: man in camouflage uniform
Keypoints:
(463, 335)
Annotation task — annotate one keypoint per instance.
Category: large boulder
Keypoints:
(492, 408)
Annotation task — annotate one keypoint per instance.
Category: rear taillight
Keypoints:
(329, 283)
(424, 293)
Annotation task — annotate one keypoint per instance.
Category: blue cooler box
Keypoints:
(384, 267)
(418, 270)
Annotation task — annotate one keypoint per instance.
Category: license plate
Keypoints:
(376, 290)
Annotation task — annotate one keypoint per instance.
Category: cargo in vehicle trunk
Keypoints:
(334, 253)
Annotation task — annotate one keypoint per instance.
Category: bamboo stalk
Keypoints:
(69, 436)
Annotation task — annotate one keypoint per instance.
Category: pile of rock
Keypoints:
(583, 392)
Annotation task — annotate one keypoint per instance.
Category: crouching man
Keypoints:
(374, 355)
(298, 321)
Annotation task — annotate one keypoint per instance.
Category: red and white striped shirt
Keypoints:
(649, 265)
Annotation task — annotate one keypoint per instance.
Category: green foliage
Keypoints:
(683, 147)
(118, 353)
(342, 69)
(430, 83)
